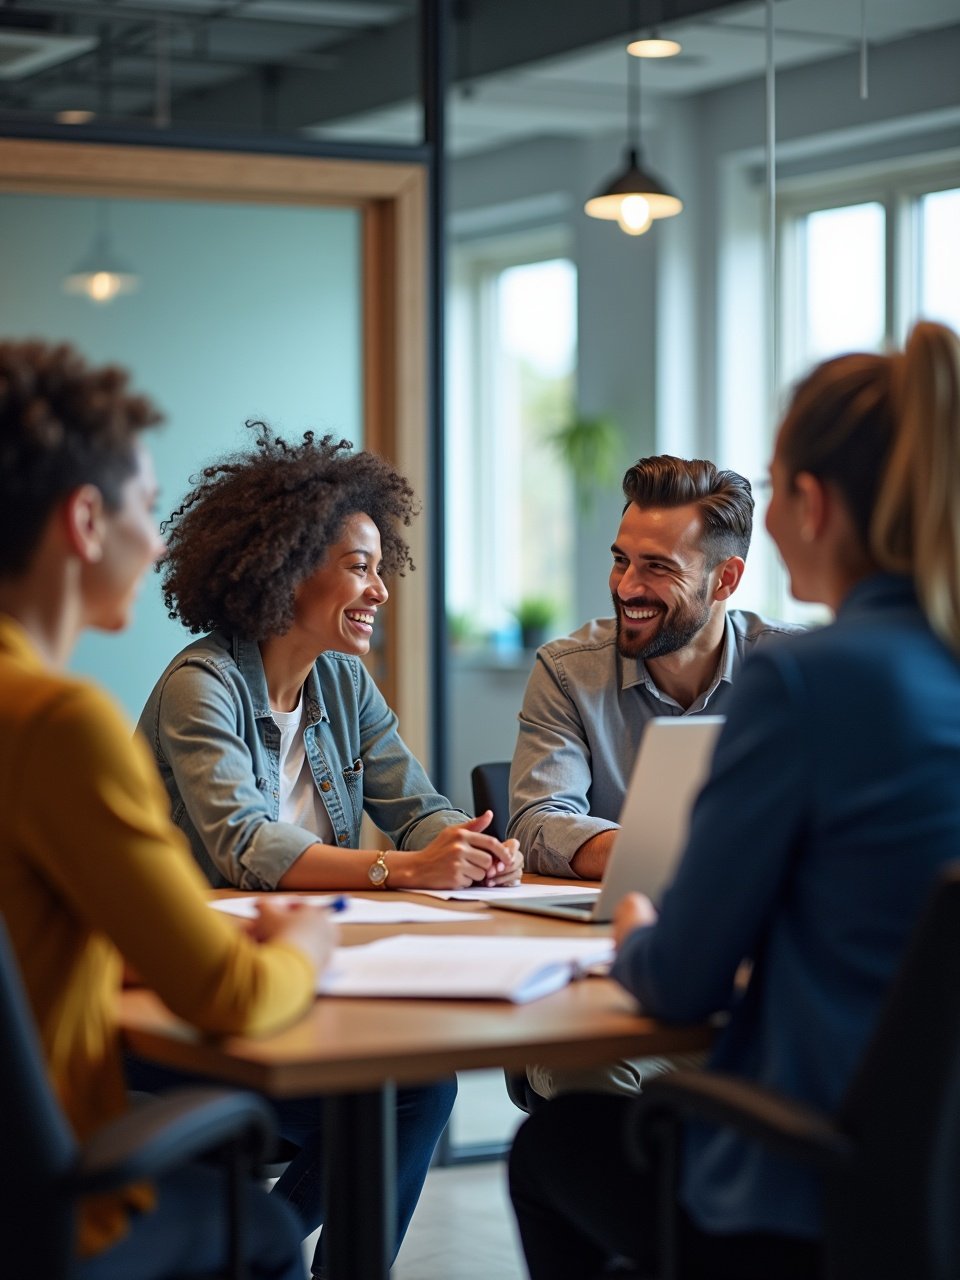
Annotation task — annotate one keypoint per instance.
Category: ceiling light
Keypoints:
(101, 275)
(654, 46)
(634, 197)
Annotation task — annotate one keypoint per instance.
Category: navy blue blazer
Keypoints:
(833, 800)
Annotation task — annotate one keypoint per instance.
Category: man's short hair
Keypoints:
(723, 498)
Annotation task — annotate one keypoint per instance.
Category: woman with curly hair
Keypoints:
(272, 739)
(270, 736)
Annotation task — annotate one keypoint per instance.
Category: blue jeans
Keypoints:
(422, 1114)
(186, 1234)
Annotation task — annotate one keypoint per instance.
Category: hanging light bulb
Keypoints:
(634, 216)
(633, 198)
(100, 275)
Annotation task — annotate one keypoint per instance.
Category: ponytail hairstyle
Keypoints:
(916, 523)
(884, 430)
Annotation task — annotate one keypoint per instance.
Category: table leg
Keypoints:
(360, 1180)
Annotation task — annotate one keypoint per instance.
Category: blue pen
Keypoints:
(337, 904)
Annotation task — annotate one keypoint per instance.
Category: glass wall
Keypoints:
(241, 312)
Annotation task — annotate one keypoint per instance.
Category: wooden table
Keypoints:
(357, 1051)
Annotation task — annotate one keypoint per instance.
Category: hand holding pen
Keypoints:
(305, 924)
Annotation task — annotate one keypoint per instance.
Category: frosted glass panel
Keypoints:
(243, 311)
(845, 296)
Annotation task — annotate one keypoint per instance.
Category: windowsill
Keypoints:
(487, 658)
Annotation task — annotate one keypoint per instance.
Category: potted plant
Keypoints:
(534, 615)
(590, 448)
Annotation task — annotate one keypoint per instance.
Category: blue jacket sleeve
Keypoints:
(745, 830)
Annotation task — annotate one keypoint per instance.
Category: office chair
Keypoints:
(44, 1170)
(491, 790)
(890, 1158)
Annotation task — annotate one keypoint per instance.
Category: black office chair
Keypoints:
(890, 1158)
(44, 1170)
(491, 790)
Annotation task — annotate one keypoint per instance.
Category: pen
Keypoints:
(337, 904)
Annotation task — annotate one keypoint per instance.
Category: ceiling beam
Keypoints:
(380, 68)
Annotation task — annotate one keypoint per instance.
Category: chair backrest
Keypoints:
(38, 1147)
(491, 790)
(895, 1212)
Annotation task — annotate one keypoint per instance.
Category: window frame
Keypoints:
(474, 266)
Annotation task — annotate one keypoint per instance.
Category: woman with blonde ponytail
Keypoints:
(916, 526)
(831, 806)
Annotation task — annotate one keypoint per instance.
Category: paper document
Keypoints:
(505, 892)
(461, 968)
(357, 910)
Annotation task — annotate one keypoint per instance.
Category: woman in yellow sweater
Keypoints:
(92, 872)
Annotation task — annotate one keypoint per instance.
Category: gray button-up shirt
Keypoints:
(584, 711)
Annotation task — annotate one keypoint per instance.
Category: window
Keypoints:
(861, 257)
(510, 528)
(939, 255)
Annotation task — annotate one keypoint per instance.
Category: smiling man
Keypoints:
(672, 648)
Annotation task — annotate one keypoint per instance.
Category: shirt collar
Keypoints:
(246, 654)
(877, 590)
(15, 641)
(634, 671)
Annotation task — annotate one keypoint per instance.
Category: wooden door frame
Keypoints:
(392, 200)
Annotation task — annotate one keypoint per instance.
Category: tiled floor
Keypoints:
(463, 1228)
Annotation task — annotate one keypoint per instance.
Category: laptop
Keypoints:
(670, 769)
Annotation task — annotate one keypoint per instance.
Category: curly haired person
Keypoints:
(271, 737)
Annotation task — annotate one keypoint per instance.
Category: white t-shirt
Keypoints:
(300, 801)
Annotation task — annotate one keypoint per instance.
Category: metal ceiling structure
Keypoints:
(348, 70)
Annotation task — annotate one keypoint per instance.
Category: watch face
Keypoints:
(377, 873)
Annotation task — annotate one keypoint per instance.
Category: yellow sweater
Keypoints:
(93, 872)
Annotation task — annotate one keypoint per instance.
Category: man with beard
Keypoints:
(671, 649)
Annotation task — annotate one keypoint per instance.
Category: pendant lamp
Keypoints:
(634, 197)
(653, 45)
(100, 274)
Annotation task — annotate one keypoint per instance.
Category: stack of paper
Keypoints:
(462, 968)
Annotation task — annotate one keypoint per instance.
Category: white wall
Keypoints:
(244, 311)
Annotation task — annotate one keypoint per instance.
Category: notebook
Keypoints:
(670, 769)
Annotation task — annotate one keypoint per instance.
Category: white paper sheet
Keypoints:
(460, 967)
(357, 911)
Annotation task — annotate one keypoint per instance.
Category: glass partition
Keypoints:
(240, 312)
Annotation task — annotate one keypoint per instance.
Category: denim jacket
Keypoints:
(209, 726)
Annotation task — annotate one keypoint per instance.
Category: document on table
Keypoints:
(357, 910)
(528, 891)
(462, 968)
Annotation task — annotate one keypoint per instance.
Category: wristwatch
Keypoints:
(378, 871)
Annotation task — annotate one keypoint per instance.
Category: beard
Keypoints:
(677, 628)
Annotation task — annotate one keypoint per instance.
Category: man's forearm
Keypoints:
(590, 860)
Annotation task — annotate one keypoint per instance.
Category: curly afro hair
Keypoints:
(259, 522)
(63, 424)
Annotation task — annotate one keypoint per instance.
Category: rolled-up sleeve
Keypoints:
(551, 776)
(230, 808)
